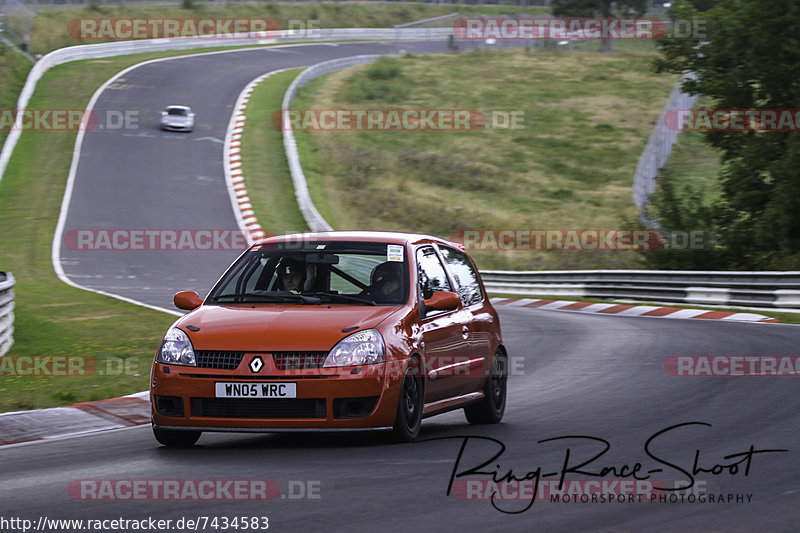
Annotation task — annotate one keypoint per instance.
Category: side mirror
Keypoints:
(443, 301)
(187, 300)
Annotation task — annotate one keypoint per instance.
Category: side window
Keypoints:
(464, 274)
(432, 276)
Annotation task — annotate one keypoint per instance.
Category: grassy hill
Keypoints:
(587, 118)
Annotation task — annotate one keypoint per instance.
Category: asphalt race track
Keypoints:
(588, 375)
(573, 375)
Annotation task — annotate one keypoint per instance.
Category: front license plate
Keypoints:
(255, 390)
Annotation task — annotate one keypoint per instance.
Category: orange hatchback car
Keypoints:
(333, 331)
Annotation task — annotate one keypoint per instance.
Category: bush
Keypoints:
(384, 68)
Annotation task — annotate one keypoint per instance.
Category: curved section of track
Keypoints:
(146, 179)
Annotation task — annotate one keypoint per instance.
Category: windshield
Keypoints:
(179, 111)
(328, 272)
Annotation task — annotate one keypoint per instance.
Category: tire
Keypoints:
(175, 438)
(408, 421)
(491, 408)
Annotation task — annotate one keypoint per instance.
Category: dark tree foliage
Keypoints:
(688, 240)
(703, 5)
(599, 9)
(747, 57)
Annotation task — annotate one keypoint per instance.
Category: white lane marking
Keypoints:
(144, 395)
(76, 434)
(685, 313)
(231, 162)
(638, 310)
(746, 317)
(594, 308)
(555, 305)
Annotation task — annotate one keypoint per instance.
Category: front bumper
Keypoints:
(177, 127)
(331, 398)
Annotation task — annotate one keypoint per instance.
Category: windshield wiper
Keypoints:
(270, 297)
(343, 297)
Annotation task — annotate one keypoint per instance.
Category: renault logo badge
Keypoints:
(256, 364)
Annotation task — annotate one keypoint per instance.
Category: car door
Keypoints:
(479, 323)
(443, 332)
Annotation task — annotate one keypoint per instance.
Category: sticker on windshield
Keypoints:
(394, 252)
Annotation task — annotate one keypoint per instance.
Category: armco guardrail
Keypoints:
(756, 289)
(312, 217)
(6, 312)
(96, 51)
(659, 146)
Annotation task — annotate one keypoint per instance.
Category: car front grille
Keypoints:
(219, 360)
(258, 408)
(298, 360)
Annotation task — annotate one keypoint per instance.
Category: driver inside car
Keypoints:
(386, 283)
(292, 275)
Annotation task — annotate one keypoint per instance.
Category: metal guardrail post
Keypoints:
(659, 146)
(7, 281)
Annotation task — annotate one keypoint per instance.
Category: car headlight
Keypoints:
(360, 348)
(176, 349)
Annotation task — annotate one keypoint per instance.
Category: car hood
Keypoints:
(176, 119)
(278, 327)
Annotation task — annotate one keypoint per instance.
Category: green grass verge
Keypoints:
(52, 318)
(587, 119)
(787, 318)
(14, 70)
(264, 165)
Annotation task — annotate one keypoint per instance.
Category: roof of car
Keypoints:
(361, 236)
(178, 107)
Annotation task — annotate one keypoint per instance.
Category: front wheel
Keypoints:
(491, 408)
(409, 406)
(176, 438)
